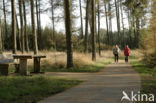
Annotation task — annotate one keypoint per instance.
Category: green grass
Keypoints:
(82, 68)
(31, 89)
(86, 68)
(143, 69)
(148, 76)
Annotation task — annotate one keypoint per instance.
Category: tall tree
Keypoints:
(99, 28)
(122, 20)
(33, 28)
(68, 28)
(118, 20)
(81, 19)
(0, 39)
(21, 25)
(38, 20)
(25, 27)
(14, 25)
(53, 23)
(130, 28)
(5, 23)
(18, 33)
(106, 13)
(110, 22)
(86, 27)
(137, 11)
(93, 32)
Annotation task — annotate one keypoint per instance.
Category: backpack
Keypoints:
(115, 51)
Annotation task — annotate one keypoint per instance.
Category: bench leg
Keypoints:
(36, 65)
(17, 68)
(4, 69)
(23, 67)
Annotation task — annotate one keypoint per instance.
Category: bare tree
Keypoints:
(5, 23)
(0, 39)
(122, 20)
(21, 25)
(93, 32)
(106, 13)
(33, 27)
(25, 27)
(110, 22)
(86, 31)
(38, 21)
(99, 28)
(53, 23)
(118, 20)
(14, 26)
(81, 18)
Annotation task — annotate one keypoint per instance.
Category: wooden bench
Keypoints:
(23, 68)
(37, 60)
(5, 61)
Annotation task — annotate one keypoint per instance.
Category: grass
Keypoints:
(56, 61)
(148, 76)
(95, 67)
(82, 63)
(31, 89)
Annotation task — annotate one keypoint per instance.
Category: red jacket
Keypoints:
(127, 51)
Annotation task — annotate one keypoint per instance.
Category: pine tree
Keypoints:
(68, 28)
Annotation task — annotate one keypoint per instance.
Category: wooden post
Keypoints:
(36, 65)
(23, 67)
(17, 68)
(37, 60)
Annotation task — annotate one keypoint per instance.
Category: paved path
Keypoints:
(103, 87)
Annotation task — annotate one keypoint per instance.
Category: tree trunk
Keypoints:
(13, 26)
(137, 31)
(106, 21)
(25, 27)
(21, 22)
(99, 28)
(33, 27)
(130, 29)
(123, 26)
(5, 23)
(53, 23)
(18, 32)
(38, 22)
(93, 32)
(68, 28)
(110, 24)
(118, 20)
(81, 19)
(86, 31)
(0, 38)
(134, 30)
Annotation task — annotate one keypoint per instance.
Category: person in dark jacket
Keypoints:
(116, 51)
(127, 53)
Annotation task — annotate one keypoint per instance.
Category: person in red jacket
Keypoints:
(127, 53)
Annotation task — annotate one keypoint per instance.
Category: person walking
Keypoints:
(116, 51)
(126, 53)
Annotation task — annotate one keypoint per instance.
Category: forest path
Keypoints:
(102, 87)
